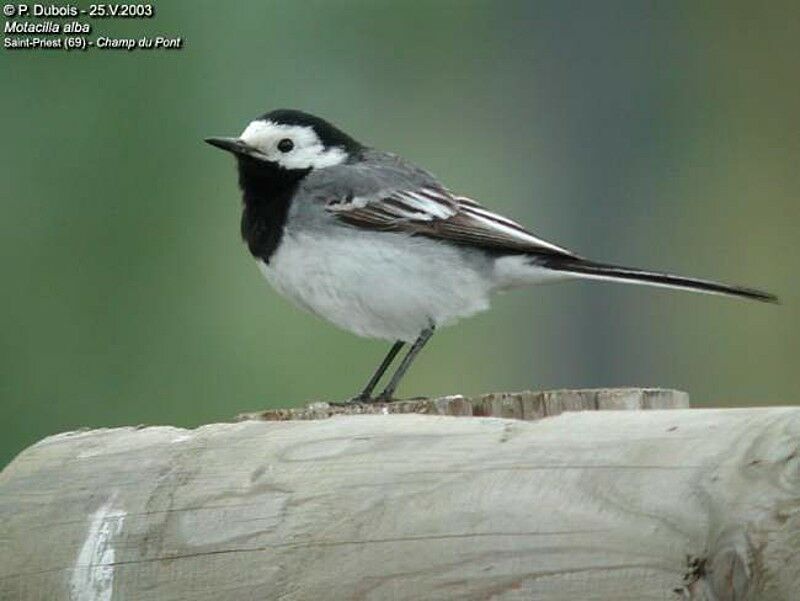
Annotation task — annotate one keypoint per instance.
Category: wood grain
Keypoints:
(592, 505)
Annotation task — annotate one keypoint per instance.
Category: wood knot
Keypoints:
(726, 576)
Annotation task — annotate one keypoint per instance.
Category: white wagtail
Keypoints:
(379, 247)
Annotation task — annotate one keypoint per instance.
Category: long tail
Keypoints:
(615, 273)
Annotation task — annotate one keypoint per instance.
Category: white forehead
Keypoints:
(308, 149)
(260, 133)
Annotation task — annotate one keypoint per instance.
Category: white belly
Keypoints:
(378, 284)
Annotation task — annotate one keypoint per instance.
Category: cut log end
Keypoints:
(527, 405)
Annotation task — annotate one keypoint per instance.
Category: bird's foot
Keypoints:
(382, 398)
(365, 399)
(358, 399)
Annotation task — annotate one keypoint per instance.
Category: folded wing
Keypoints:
(435, 212)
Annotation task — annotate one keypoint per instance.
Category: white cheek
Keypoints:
(314, 156)
(308, 150)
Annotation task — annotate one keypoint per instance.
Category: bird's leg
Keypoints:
(366, 395)
(424, 336)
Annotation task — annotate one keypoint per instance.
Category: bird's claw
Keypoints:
(363, 399)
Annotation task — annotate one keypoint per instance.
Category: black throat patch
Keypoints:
(267, 191)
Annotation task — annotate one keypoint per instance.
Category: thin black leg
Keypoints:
(387, 393)
(366, 394)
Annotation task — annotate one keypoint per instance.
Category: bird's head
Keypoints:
(291, 141)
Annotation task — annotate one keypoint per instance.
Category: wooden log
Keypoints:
(592, 505)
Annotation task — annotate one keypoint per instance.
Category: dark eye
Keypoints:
(285, 145)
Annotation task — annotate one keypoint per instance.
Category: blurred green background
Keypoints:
(664, 135)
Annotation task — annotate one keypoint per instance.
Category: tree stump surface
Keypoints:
(527, 405)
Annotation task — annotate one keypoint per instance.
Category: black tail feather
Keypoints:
(616, 273)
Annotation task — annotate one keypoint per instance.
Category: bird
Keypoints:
(381, 248)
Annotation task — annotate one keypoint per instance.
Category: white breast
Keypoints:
(379, 284)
